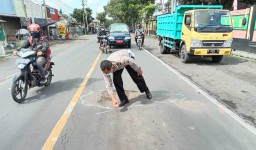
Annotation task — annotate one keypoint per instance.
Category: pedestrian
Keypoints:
(51, 36)
(115, 65)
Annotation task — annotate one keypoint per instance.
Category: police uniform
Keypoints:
(120, 60)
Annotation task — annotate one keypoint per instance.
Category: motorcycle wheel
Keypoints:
(49, 79)
(19, 90)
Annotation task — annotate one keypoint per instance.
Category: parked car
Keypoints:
(119, 35)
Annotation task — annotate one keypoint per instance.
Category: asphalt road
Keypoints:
(232, 81)
(76, 113)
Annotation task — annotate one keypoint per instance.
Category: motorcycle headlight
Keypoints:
(127, 38)
(111, 38)
(195, 43)
(228, 43)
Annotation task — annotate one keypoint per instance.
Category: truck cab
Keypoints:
(196, 31)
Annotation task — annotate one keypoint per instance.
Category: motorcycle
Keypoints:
(104, 44)
(139, 41)
(29, 75)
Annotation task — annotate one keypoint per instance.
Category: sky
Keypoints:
(68, 5)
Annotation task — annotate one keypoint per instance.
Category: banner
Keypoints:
(2, 37)
(62, 29)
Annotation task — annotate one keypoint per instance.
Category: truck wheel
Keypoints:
(185, 57)
(217, 59)
(163, 49)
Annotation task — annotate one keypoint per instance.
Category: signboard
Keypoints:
(25, 21)
(2, 37)
(52, 11)
(62, 29)
(41, 22)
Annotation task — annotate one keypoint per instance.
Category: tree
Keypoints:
(60, 12)
(249, 2)
(168, 6)
(126, 11)
(78, 15)
(148, 11)
(101, 17)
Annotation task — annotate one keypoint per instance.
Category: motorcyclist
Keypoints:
(139, 31)
(101, 28)
(34, 40)
(103, 32)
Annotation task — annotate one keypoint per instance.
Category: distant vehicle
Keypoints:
(196, 30)
(119, 35)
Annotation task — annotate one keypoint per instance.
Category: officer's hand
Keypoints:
(140, 72)
(114, 101)
(39, 53)
(14, 53)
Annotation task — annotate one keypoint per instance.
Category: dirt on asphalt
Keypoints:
(232, 81)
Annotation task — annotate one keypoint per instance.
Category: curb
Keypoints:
(244, 54)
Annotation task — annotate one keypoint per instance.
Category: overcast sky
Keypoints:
(67, 6)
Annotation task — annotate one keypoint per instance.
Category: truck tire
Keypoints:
(217, 59)
(163, 49)
(185, 57)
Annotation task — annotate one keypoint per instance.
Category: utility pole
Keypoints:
(83, 16)
(86, 17)
(24, 8)
(31, 11)
(174, 4)
(45, 12)
(47, 28)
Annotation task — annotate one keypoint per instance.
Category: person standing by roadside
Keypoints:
(115, 65)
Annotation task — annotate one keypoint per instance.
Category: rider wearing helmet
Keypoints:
(139, 31)
(43, 54)
(101, 32)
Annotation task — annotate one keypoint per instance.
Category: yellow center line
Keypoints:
(53, 137)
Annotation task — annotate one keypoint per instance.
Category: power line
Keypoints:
(38, 1)
(65, 7)
(65, 4)
(68, 10)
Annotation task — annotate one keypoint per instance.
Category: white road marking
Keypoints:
(209, 97)
(8, 77)
(109, 109)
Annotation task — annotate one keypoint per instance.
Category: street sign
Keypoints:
(62, 29)
(2, 37)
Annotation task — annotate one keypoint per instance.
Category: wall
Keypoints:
(7, 8)
(10, 27)
(34, 10)
(19, 8)
(239, 30)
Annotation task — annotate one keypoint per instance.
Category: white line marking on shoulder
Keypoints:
(209, 97)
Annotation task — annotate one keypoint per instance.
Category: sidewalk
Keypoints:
(151, 41)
